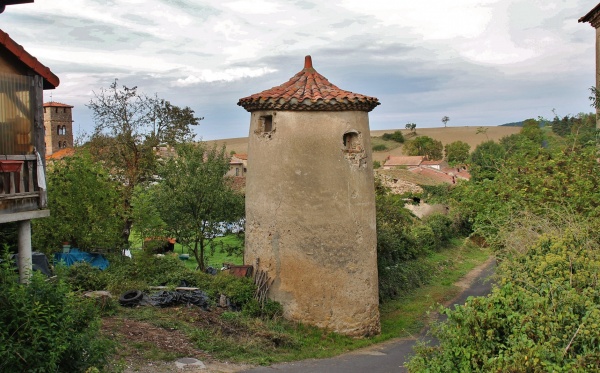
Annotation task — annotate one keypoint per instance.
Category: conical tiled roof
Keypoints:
(308, 91)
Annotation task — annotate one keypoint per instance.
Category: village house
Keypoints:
(22, 165)
(238, 165)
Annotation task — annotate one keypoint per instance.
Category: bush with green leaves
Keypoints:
(379, 148)
(542, 316)
(396, 136)
(44, 327)
(83, 277)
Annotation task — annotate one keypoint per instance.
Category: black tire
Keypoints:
(131, 297)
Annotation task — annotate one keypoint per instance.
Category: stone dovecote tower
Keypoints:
(310, 202)
(58, 124)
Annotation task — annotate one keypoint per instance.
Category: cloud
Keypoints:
(254, 7)
(226, 75)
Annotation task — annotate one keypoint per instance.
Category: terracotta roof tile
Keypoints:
(56, 104)
(60, 154)
(241, 156)
(404, 161)
(308, 91)
(51, 81)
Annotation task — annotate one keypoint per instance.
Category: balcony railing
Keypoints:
(18, 184)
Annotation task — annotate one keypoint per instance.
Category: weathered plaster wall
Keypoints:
(310, 217)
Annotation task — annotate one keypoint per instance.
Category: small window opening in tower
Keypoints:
(267, 123)
(58, 130)
(351, 142)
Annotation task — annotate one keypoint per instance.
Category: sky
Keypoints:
(479, 62)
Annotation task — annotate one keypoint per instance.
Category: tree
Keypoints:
(412, 127)
(426, 146)
(195, 199)
(128, 125)
(85, 206)
(457, 152)
(487, 160)
(445, 120)
(148, 222)
(531, 129)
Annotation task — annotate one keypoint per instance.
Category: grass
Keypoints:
(215, 259)
(235, 337)
(383, 145)
(406, 316)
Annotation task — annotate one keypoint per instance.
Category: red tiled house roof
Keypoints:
(308, 91)
(60, 154)
(51, 81)
(409, 161)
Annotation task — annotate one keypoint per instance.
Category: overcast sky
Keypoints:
(480, 62)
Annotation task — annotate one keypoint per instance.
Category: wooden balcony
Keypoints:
(19, 192)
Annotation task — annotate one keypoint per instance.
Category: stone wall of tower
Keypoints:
(58, 123)
(310, 216)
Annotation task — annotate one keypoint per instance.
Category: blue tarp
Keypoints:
(74, 256)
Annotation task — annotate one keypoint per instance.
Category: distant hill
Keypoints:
(520, 124)
(513, 124)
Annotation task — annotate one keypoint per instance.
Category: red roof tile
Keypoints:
(51, 81)
(308, 91)
(241, 156)
(62, 153)
(56, 104)
(414, 161)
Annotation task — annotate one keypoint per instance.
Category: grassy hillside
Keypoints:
(445, 135)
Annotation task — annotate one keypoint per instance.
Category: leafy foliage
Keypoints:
(580, 128)
(46, 328)
(396, 136)
(457, 152)
(85, 207)
(194, 198)
(544, 315)
(539, 208)
(128, 125)
(487, 160)
(379, 148)
(426, 146)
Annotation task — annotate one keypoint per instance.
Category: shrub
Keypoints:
(379, 148)
(83, 277)
(46, 328)
(441, 226)
(424, 238)
(544, 315)
(400, 278)
(396, 136)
